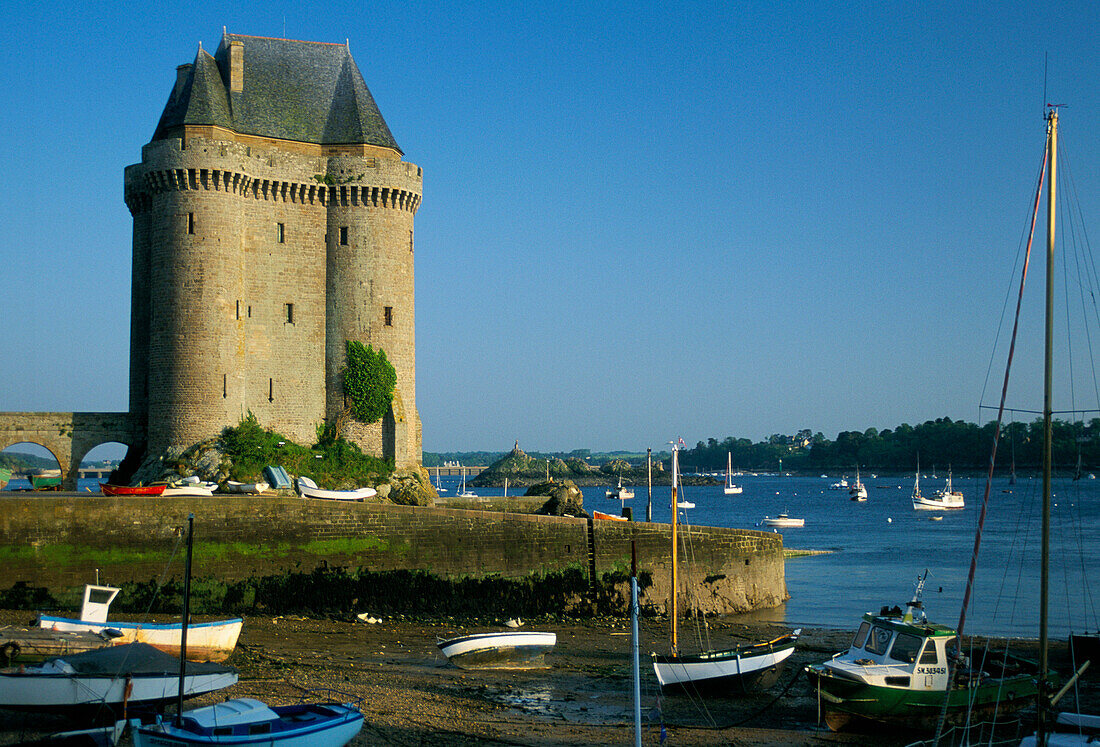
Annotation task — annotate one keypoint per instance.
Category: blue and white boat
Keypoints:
(245, 721)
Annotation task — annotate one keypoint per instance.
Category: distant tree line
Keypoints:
(940, 442)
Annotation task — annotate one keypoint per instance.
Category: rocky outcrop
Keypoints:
(522, 469)
(565, 499)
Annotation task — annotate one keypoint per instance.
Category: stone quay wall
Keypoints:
(62, 542)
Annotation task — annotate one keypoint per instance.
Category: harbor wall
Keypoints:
(62, 542)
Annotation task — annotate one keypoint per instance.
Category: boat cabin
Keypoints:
(892, 651)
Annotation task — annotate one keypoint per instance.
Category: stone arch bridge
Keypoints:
(69, 435)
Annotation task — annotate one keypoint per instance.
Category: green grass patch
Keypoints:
(332, 463)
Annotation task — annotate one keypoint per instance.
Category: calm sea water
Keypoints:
(878, 548)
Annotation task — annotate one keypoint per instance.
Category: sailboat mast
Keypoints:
(675, 520)
(186, 618)
(1048, 375)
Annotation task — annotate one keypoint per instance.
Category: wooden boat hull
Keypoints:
(242, 721)
(152, 490)
(24, 645)
(39, 482)
(745, 669)
(607, 517)
(512, 650)
(206, 641)
(849, 704)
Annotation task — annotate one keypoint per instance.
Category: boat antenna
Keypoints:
(1046, 66)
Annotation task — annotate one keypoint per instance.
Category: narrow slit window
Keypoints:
(271, 390)
(410, 241)
(290, 313)
(238, 309)
(225, 385)
(387, 316)
(343, 235)
(280, 233)
(250, 312)
(191, 223)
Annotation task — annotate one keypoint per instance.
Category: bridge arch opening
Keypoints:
(97, 464)
(32, 465)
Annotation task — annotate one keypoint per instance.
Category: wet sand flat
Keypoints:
(411, 695)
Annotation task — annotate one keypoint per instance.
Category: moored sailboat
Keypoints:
(942, 500)
(730, 488)
(857, 491)
(746, 668)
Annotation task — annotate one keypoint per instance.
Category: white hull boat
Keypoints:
(463, 491)
(242, 721)
(857, 491)
(178, 490)
(744, 669)
(308, 489)
(136, 674)
(620, 493)
(749, 667)
(251, 488)
(206, 641)
(941, 500)
(506, 650)
(783, 520)
(730, 488)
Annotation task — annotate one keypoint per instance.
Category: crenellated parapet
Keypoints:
(140, 191)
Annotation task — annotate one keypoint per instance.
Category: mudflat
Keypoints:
(411, 695)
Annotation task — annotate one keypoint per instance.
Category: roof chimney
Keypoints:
(182, 73)
(236, 66)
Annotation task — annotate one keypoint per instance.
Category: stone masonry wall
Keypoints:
(60, 542)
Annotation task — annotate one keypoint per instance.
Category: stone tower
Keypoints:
(273, 221)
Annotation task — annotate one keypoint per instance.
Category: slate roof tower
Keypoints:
(273, 221)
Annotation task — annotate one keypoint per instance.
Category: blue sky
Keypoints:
(640, 221)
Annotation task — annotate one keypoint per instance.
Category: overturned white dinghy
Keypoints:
(308, 489)
(505, 650)
(135, 674)
(252, 488)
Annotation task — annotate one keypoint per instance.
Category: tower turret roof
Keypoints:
(310, 92)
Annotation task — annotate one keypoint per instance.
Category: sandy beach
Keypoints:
(411, 695)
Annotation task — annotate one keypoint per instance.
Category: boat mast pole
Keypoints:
(675, 520)
(186, 615)
(649, 483)
(1048, 375)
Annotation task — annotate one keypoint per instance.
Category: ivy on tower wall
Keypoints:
(369, 381)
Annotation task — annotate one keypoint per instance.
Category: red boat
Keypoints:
(611, 517)
(109, 489)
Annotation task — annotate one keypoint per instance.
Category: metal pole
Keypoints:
(649, 480)
(634, 645)
(675, 520)
(186, 616)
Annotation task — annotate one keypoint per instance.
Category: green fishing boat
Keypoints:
(46, 479)
(896, 673)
